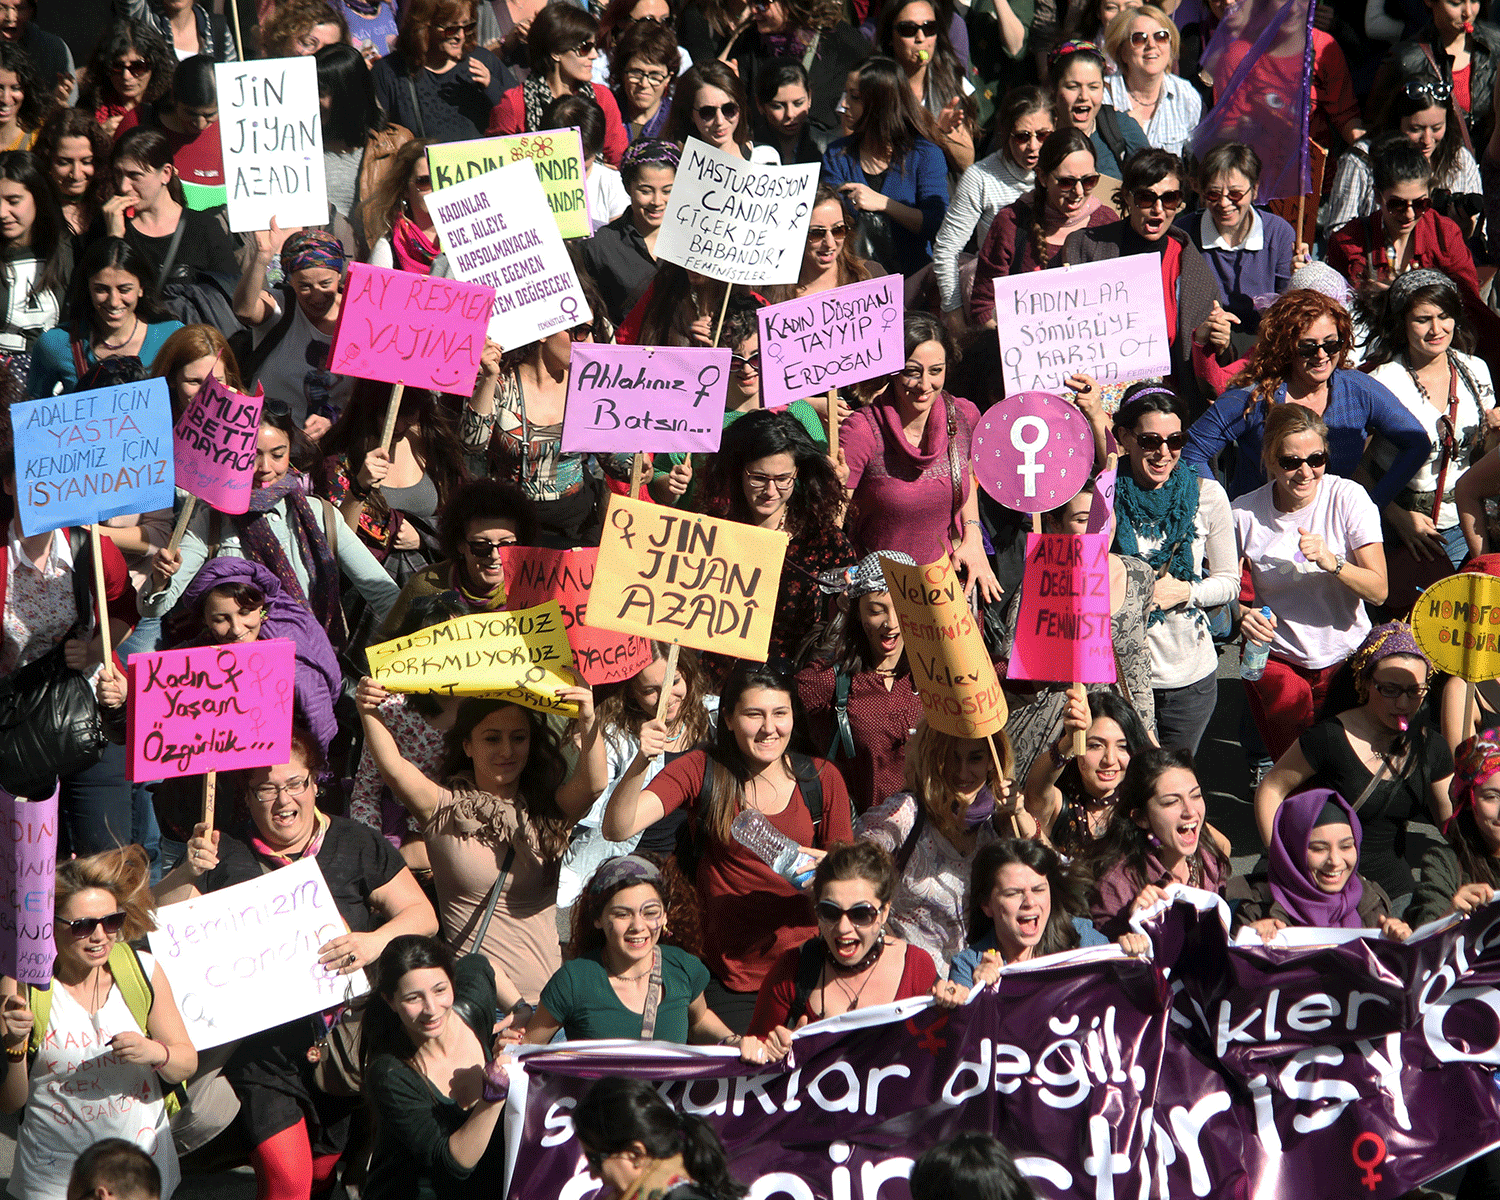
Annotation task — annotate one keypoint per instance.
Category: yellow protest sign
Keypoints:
(557, 153)
(683, 577)
(1457, 622)
(519, 656)
(955, 678)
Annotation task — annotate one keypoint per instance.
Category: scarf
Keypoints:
(260, 544)
(789, 43)
(1053, 222)
(536, 94)
(658, 1179)
(1168, 513)
(934, 447)
(1291, 885)
(1476, 760)
(283, 859)
(414, 250)
(492, 601)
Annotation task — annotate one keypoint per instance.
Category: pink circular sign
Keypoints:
(1033, 451)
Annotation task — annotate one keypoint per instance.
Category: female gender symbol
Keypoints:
(1030, 468)
(1371, 1176)
(1033, 451)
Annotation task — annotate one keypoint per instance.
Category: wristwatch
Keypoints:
(1338, 563)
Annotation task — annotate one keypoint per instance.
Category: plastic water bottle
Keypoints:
(1253, 658)
(779, 852)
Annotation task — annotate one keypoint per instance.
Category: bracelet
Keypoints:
(165, 1049)
(16, 1053)
(976, 524)
(1059, 758)
(734, 1039)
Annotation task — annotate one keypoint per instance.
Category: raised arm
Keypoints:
(419, 795)
(630, 809)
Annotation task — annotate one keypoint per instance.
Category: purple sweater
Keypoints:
(1246, 274)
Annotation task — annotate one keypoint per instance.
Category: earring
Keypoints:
(264, 613)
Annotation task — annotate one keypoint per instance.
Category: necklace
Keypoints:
(868, 962)
(119, 345)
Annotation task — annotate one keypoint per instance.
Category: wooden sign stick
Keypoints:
(723, 309)
(101, 601)
(210, 787)
(637, 474)
(989, 740)
(391, 409)
(664, 701)
(182, 522)
(833, 423)
(1469, 712)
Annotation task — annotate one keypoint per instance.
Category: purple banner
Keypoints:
(1348, 1070)
(28, 864)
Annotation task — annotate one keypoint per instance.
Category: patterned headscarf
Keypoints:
(1404, 285)
(1320, 277)
(624, 869)
(648, 152)
(863, 578)
(1073, 46)
(1477, 759)
(1384, 641)
(312, 248)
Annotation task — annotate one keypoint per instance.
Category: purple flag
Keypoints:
(1260, 59)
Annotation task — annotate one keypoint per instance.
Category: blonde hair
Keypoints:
(124, 873)
(1118, 32)
(927, 772)
(1284, 421)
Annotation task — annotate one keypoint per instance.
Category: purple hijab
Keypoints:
(319, 678)
(1291, 884)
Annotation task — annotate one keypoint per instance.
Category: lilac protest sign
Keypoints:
(652, 398)
(213, 445)
(1063, 632)
(1106, 319)
(843, 336)
(1033, 452)
(1102, 507)
(27, 867)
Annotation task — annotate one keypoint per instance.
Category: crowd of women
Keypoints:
(1324, 445)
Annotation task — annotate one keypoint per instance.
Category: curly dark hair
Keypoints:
(485, 498)
(74, 123)
(1282, 326)
(1388, 343)
(621, 715)
(543, 774)
(119, 39)
(37, 101)
(678, 897)
(817, 496)
(1069, 892)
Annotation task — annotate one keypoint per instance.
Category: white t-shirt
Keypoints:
(81, 1092)
(1466, 428)
(607, 195)
(1319, 621)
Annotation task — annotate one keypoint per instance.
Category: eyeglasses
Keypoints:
(1394, 691)
(654, 78)
(1396, 204)
(780, 483)
(1151, 442)
(746, 362)
(1216, 195)
(135, 68)
(84, 927)
(1145, 198)
(861, 915)
(271, 792)
(1309, 351)
(1433, 90)
(585, 49)
(816, 233)
(1024, 137)
(707, 112)
(1290, 462)
(449, 31)
(1140, 37)
(484, 549)
(910, 29)
(1076, 183)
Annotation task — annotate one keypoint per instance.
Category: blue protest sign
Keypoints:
(86, 456)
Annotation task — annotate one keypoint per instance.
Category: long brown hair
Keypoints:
(1059, 145)
(189, 344)
(543, 774)
(713, 74)
(620, 715)
(1281, 328)
(381, 208)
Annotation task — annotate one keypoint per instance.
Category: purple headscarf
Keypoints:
(1291, 884)
(319, 678)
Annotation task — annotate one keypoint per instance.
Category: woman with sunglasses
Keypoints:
(1028, 234)
(1075, 71)
(438, 82)
(1371, 744)
(396, 220)
(562, 45)
(1249, 248)
(1311, 542)
(1145, 42)
(188, 118)
(852, 962)
(1423, 351)
(911, 34)
(644, 73)
(1421, 111)
(1025, 121)
(1152, 190)
(131, 66)
(1302, 357)
(296, 1130)
(1456, 49)
(708, 103)
(622, 18)
(889, 170)
(106, 1071)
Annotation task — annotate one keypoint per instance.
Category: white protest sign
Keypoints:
(245, 958)
(498, 230)
(272, 136)
(1106, 319)
(737, 221)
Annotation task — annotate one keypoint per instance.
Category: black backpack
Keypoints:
(689, 850)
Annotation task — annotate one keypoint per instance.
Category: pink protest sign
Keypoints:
(830, 339)
(209, 708)
(625, 399)
(1033, 452)
(28, 865)
(213, 446)
(534, 575)
(1062, 631)
(419, 330)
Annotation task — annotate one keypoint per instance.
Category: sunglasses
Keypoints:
(1395, 204)
(1151, 442)
(1433, 91)
(1024, 137)
(276, 408)
(449, 31)
(1290, 462)
(484, 549)
(861, 915)
(134, 69)
(665, 22)
(1394, 691)
(1309, 351)
(910, 29)
(423, 183)
(746, 362)
(707, 112)
(1215, 195)
(1076, 183)
(1145, 198)
(84, 927)
(816, 233)
(1140, 37)
(584, 49)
